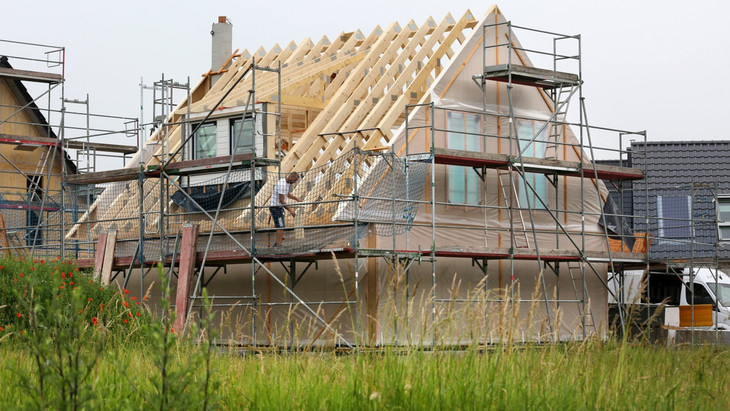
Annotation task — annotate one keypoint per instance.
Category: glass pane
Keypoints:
(456, 131)
(456, 185)
(525, 134)
(723, 206)
(205, 141)
(472, 127)
(473, 187)
(674, 216)
(242, 136)
(724, 232)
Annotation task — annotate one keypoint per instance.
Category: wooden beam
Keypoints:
(107, 265)
(99, 256)
(186, 270)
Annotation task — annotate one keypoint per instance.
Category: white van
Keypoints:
(674, 289)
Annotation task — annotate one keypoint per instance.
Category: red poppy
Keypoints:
(139, 315)
(93, 320)
(126, 291)
(19, 315)
(32, 269)
(129, 314)
(134, 298)
(1, 267)
(63, 275)
(125, 321)
(71, 283)
(22, 275)
(91, 299)
(71, 274)
(2, 329)
(61, 287)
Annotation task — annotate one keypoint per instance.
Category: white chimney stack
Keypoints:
(222, 34)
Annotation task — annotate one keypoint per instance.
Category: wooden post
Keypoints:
(99, 257)
(188, 252)
(108, 264)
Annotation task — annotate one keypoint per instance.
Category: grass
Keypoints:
(78, 352)
(572, 376)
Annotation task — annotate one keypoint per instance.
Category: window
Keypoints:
(205, 141)
(723, 218)
(532, 144)
(723, 292)
(701, 295)
(242, 138)
(34, 190)
(464, 184)
(673, 214)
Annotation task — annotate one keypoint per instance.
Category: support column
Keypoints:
(188, 252)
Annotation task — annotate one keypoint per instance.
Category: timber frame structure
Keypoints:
(365, 121)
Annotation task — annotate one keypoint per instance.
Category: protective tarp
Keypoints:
(616, 224)
(208, 197)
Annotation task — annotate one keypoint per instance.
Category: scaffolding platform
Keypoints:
(28, 75)
(534, 165)
(180, 168)
(223, 257)
(530, 76)
(31, 142)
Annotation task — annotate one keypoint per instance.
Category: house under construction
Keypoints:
(448, 193)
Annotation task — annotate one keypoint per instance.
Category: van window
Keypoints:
(701, 295)
(723, 293)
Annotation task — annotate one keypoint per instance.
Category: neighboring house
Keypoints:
(687, 183)
(30, 166)
(433, 240)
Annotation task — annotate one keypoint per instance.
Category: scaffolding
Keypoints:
(377, 207)
(39, 134)
(370, 191)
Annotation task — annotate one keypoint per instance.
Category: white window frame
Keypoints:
(722, 222)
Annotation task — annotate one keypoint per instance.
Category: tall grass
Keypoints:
(570, 376)
(158, 369)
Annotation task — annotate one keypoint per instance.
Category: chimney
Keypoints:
(222, 34)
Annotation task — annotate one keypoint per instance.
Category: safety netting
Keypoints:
(340, 202)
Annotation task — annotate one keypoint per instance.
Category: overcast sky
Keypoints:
(658, 66)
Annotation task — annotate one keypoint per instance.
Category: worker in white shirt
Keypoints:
(278, 204)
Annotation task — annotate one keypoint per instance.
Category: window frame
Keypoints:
(721, 222)
(231, 134)
(668, 233)
(471, 141)
(538, 181)
(196, 139)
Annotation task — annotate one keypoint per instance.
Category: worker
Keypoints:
(278, 204)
